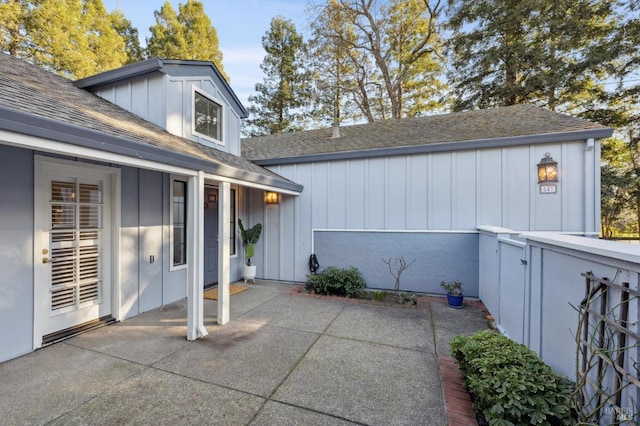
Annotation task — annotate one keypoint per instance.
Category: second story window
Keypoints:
(207, 117)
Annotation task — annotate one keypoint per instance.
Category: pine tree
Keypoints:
(619, 108)
(123, 27)
(72, 37)
(12, 26)
(548, 52)
(187, 34)
(167, 39)
(106, 47)
(333, 71)
(284, 92)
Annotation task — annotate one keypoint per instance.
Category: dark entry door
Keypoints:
(210, 236)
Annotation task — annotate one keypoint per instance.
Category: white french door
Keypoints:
(72, 273)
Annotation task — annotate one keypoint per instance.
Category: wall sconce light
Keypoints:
(547, 169)
(271, 197)
(547, 174)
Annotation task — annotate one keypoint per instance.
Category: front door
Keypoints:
(72, 247)
(210, 236)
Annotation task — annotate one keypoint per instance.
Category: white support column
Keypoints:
(195, 258)
(224, 250)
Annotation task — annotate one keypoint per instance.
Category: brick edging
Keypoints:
(457, 401)
(422, 302)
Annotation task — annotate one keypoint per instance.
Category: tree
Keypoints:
(12, 26)
(166, 38)
(106, 47)
(123, 27)
(616, 179)
(332, 70)
(548, 52)
(184, 35)
(284, 92)
(393, 50)
(619, 108)
(74, 38)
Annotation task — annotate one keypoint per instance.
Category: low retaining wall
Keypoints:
(439, 256)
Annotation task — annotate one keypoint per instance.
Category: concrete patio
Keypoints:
(283, 359)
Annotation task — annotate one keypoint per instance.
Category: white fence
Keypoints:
(531, 283)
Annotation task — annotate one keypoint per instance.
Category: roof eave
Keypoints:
(599, 133)
(45, 128)
(119, 74)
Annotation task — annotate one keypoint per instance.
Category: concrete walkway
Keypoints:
(283, 359)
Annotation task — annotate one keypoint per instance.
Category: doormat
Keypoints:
(233, 289)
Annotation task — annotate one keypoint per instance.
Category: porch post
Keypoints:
(224, 250)
(195, 258)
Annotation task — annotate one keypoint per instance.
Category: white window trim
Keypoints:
(184, 179)
(204, 139)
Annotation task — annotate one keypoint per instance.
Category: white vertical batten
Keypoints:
(195, 258)
(224, 250)
(597, 186)
(589, 187)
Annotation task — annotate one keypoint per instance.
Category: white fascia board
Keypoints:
(53, 147)
(404, 231)
(46, 145)
(246, 184)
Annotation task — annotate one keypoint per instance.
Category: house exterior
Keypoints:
(123, 190)
(106, 213)
(420, 188)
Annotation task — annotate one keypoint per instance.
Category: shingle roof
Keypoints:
(500, 124)
(28, 89)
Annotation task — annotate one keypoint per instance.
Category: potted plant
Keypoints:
(249, 238)
(454, 293)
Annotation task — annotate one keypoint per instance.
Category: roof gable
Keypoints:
(172, 67)
(40, 103)
(513, 125)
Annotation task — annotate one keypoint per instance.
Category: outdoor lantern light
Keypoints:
(271, 197)
(547, 169)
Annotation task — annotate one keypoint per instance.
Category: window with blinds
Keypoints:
(75, 243)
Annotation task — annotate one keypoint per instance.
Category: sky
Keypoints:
(240, 25)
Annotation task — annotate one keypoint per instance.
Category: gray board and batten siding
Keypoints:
(422, 187)
(161, 91)
(16, 252)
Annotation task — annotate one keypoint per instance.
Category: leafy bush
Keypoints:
(343, 282)
(510, 384)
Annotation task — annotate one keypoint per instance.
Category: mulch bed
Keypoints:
(421, 301)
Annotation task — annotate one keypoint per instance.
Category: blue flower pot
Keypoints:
(455, 302)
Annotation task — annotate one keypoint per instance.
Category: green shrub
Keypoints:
(510, 384)
(343, 282)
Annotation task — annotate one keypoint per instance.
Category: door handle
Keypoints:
(46, 260)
